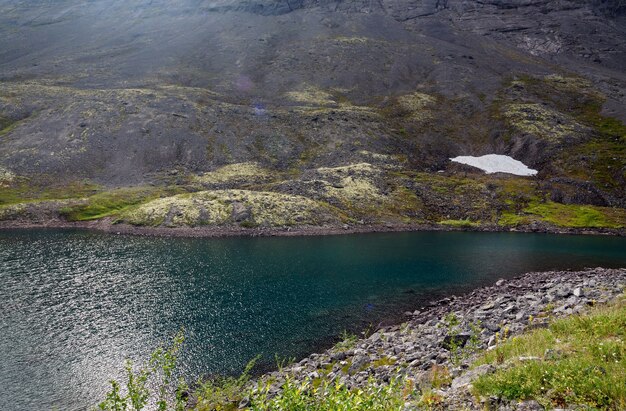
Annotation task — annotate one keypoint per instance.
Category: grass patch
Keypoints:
(460, 223)
(22, 191)
(113, 202)
(326, 395)
(509, 219)
(579, 360)
(7, 125)
(578, 216)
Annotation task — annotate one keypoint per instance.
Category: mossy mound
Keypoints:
(224, 207)
(415, 105)
(542, 122)
(351, 182)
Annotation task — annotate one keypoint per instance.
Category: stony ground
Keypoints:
(446, 336)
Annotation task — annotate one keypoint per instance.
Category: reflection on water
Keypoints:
(75, 304)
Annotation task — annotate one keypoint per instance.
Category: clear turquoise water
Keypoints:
(74, 304)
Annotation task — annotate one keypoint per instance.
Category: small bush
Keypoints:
(170, 395)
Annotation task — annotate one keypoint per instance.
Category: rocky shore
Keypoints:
(108, 226)
(449, 334)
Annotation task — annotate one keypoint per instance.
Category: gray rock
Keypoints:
(492, 326)
(530, 405)
(487, 306)
(466, 378)
(340, 356)
(358, 362)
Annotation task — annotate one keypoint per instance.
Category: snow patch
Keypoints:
(496, 163)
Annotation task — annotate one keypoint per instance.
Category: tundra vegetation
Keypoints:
(579, 153)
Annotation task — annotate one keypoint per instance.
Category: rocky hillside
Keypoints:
(269, 113)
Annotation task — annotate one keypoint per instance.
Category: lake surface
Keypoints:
(74, 304)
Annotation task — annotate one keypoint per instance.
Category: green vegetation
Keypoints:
(228, 393)
(598, 157)
(384, 362)
(348, 341)
(223, 393)
(6, 125)
(114, 202)
(577, 360)
(170, 394)
(509, 219)
(578, 216)
(325, 396)
(460, 223)
(23, 191)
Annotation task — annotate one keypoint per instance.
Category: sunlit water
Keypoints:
(75, 304)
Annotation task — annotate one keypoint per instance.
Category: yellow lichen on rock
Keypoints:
(417, 105)
(239, 172)
(355, 188)
(312, 96)
(179, 210)
(6, 177)
(219, 207)
(352, 183)
(541, 121)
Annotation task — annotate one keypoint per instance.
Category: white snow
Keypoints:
(496, 163)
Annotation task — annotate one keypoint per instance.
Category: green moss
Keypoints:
(383, 362)
(4, 123)
(114, 202)
(578, 216)
(25, 191)
(511, 219)
(8, 129)
(354, 186)
(460, 223)
(579, 360)
(602, 154)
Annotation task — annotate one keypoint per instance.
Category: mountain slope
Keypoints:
(351, 108)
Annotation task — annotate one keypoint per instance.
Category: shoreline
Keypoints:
(108, 226)
(417, 346)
